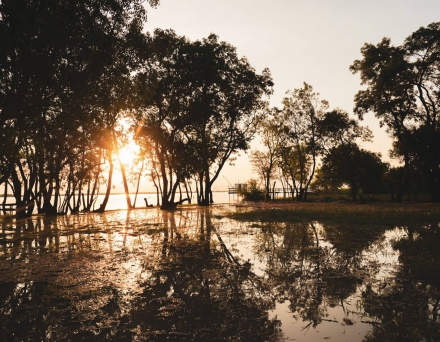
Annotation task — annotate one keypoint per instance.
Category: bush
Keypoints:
(251, 192)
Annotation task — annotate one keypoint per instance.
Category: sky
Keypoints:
(313, 41)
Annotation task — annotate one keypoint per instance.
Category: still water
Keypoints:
(118, 201)
(194, 274)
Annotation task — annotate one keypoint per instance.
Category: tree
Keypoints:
(362, 170)
(198, 104)
(265, 163)
(300, 140)
(78, 50)
(227, 104)
(402, 90)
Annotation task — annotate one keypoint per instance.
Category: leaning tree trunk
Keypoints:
(124, 181)
(101, 208)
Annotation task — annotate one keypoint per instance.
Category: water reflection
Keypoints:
(155, 276)
(408, 306)
(194, 275)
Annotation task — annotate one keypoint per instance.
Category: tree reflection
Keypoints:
(200, 292)
(191, 287)
(41, 311)
(313, 266)
(187, 275)
(408, 307)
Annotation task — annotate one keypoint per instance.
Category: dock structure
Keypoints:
(11, 208)
(8, 208)
(274, 192)
(233, 190)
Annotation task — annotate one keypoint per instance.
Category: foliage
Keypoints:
(57, 112)
(362, 170)
(198, 104)
(336, 128)
(265, 162)
(402, 90)
(323, 183)
(251, 192)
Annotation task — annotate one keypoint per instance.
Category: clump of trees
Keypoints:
(65, 70)
(305, 132)
(199, 103)
(401, 89)
(79, 79)
(72, 71)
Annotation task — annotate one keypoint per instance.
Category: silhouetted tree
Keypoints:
(402, 90)
(300, 140)
(362, 170)
(58, 58)
(198, 104)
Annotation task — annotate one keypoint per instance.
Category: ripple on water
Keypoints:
(195, 274)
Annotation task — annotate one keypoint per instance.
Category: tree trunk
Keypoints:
(5, 197)
(138, 183)
(124, 181)
(101, 208)
(207, 195)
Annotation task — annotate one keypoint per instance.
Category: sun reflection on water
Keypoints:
(306, 279)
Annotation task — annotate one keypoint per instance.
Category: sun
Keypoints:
(128, 153)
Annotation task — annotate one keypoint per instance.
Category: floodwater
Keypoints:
(194, 274)
(118, 201)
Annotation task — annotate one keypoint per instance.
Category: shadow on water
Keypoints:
(195, 275)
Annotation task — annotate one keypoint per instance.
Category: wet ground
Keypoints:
(196, 275)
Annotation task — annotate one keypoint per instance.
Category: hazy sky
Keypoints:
(313, 41)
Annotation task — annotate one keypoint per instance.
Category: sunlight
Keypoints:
(128, 153)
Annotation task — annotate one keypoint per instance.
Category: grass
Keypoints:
(377, 213)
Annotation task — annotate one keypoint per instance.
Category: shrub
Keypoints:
(251, 192)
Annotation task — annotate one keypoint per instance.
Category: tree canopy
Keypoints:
(198, 104)
(73, 73)
(402, 89)
(63, 65)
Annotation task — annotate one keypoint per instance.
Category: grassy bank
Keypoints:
(377, 213)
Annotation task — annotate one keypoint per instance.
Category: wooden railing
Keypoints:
(276, 191)
(9, 208)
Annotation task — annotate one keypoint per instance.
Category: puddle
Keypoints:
(196, 275)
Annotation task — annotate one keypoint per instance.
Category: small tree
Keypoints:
(300, 137)
(265, 162)
(251, 191)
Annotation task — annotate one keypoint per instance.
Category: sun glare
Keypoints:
(127, 154)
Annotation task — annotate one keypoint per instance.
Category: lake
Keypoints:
(118, 201)
(194, 274)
